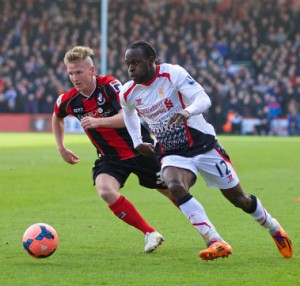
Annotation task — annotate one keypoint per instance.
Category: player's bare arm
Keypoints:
(68, 156)
(146, 149)
(58, 131)
(179, 117)
(115, 121)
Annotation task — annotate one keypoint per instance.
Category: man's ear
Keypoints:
(151, 59)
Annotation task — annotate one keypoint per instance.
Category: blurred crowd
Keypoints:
(245, 53)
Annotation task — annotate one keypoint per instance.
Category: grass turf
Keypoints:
(98, 249)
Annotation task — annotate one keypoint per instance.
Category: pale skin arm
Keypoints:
(68, 156)
(115, 121)
(58, 127)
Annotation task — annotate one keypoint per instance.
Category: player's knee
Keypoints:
(106, 193)
(177, 188)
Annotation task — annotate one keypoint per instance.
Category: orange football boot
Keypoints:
(215, 250)
(283, 243)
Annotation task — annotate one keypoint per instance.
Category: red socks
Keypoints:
(126, 211)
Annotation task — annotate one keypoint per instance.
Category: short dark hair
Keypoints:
(148, 50)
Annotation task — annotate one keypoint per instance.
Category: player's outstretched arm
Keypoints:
(58, 128)
(115, 121)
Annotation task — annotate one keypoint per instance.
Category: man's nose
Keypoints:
(131, 68)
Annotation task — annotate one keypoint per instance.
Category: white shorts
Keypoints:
(215, 168)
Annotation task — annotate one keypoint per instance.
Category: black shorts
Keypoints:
(146, 168)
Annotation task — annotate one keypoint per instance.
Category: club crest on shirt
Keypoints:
(138, 101)
(100, 99)
(161, 91)
(190, 80)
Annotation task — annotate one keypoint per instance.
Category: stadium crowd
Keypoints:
(245, 53)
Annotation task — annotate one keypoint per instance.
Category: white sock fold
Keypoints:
(195, 213)
(264, 218)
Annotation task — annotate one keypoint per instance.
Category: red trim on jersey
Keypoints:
(122, 142)
(147, 83)
(188, 133)
(126, 93)
(157, 74)
(162, 149)
(126, 153)
(150, 81)
(167, 75)
(102, 80)
(94, 142)
(67, 96)
(181, 99)
(56, 109)
(224, 158)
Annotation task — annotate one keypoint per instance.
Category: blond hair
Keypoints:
(79, 53)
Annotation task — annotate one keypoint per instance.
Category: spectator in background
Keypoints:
(31, 104)
(3, 107)
(236, 123)
(293, 118)
(263, 127)
(10, 96)
(274, 107)
(248, 46)
(217, 118)
(47, 104)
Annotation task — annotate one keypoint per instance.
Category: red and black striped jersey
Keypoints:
(114, 143)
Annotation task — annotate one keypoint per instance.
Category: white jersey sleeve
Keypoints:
(170, 91)
(132, 120)
(197, 99)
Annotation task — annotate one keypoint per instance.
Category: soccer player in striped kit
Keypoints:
(94, 101)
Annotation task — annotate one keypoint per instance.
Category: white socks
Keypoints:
(195, 213)
(264, 218)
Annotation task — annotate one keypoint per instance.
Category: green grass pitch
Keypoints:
(95, 248)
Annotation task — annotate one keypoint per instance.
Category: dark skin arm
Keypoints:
(180, 116)
(146, 149)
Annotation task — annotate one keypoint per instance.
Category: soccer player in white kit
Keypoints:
(172, 102)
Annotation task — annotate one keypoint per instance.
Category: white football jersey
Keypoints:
(171, 91)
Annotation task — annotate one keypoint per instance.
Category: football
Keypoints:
(40, 240)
